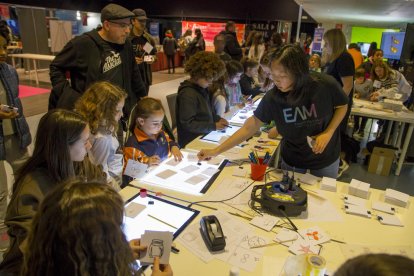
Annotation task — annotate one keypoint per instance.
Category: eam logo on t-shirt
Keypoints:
(111, 61)
(291, 114)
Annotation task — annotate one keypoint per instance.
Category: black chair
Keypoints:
(171, 100)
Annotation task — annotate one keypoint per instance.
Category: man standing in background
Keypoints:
(141, 41)
(232, 45)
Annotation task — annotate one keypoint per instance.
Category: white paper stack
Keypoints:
(396, 198)
(359, 188)
(328, 184)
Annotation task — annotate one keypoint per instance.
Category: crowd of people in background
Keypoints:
(81, 139)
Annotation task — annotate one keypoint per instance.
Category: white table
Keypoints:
(33, 57)
(353, 230)
(373, 110)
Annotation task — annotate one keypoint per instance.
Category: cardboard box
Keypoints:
(381, 161)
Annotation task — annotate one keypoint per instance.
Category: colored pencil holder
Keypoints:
(258, 170)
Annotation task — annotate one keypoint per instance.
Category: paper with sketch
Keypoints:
(148, 48)
(301, 246)
(133, 209)
(192, 157)
(166, 174)
(231, 186)
(190, 168)
(191, 238)
(314, 235)
(265, 222)
(158, 245)
(173, 162)
(352, 250)
(286, 235)
(194, 180)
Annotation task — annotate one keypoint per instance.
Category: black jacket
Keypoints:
(10, 80)
(194, 113)
(82, 57)
(232, 45)
(247, 86)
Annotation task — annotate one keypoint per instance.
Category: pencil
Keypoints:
(151, 216)
(270, 244)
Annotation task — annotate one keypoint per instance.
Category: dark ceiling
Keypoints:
(239, 10)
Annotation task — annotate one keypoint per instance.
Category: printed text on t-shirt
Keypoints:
(112, 61)
(291, 114)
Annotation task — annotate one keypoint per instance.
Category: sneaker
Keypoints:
(343, 166)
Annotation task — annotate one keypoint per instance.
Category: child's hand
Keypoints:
(178, 156)
(154, 160)
(374, 97)
(161, 270)
(222, 124)
(136, 247)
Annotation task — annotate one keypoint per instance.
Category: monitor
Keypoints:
(364, 48)
(392, 43)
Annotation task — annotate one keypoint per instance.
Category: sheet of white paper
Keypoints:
(317, 211)
(148, 48)
(135, 169)
(192, 157)
(173, 162)
(210, 171)
(190, 168)
(242, 172)
(193, 241)
(265, 222)
(307, 179)
(158, 245)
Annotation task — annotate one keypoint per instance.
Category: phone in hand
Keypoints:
(7, 108)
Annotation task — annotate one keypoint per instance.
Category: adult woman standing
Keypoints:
(340, 65)
(302, 104)
(170, 46)
(60, 148)
(258, 47)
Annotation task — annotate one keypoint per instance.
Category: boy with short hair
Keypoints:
(363, 88)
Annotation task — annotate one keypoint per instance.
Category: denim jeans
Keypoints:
(329, 171)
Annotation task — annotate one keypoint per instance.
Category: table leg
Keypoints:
(387, 134)
(13, 62)
(35, 69)
(400, 134)
(404, 149)
(395, 133)
(277, 156)
(28, 68)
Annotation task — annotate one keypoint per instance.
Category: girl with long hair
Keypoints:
(59, 154)
(302, 104)
(86, 236)
(340, 65)
(102, 105)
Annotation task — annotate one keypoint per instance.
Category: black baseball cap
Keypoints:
(114, 11)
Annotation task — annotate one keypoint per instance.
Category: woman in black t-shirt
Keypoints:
(302, 105)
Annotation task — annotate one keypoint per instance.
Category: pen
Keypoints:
(151, 216)
(229, 126)
(174, 249)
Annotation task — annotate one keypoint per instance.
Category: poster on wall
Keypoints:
(266, 28)
(210, 30)
(317, 40)
(4, 12)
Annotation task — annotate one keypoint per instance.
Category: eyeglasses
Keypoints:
(121, 25)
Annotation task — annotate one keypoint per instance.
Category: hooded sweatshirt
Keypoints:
(194, 113)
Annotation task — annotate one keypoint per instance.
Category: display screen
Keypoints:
(217, 135)
(157, 214)
(188, 176)
(392, 44)
(243, 114)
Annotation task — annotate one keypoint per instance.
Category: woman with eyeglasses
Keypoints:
(303, 105)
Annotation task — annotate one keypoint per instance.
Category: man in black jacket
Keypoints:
(232, 45)
(104, 54)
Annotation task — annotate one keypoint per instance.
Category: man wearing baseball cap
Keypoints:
(139, 38)
(104, 54)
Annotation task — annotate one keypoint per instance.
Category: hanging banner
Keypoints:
(4, 12)
(317, 40)
(210, 30)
